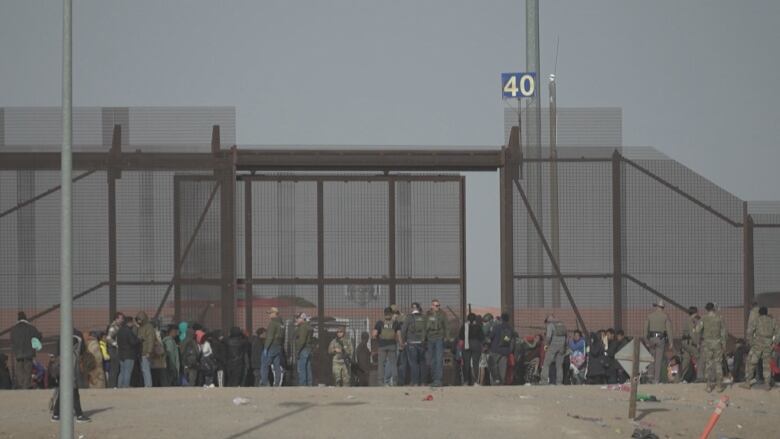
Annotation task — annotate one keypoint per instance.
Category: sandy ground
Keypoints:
(455, 412)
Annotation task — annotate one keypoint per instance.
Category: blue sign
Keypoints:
(518, 85)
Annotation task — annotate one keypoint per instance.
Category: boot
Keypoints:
(709, 388)
(745, 385)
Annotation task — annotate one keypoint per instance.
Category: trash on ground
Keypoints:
(645, 397)
(644, 433)
(428, 398)
(240, 401)
(350, 397)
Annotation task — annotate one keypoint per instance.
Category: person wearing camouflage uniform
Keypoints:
(764, 333)
(412, 337)
(713, 336)
(691, 341)
(658, 329)
(341, 349)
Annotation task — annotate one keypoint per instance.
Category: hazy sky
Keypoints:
(695, 79)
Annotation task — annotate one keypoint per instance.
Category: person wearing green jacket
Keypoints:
(173, 363)
(303, 345)
(436, 332)
(148, 336)
(272, 350)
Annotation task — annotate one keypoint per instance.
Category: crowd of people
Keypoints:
(405, 349)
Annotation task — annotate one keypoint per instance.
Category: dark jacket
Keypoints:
(475, 334)
(127, 343)
(256, 351)
(237, 348)
(21, 340)
(5, 374)
(501, 338)
(597, 364)
(218, 348)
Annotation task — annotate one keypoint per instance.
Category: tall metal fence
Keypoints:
(627, 228)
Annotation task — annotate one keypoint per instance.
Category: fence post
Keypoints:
(748, 268)
(463, 248)
(511, 162)
(391, 244)
(112, 175)
(617, 244)
(249, 297)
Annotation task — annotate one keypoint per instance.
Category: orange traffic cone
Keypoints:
(724, 400)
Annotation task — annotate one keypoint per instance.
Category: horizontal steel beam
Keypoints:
(357, 281)
(125, 161)
(370, 159)
(564, 275)
(350, 178)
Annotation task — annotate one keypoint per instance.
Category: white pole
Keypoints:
(66, 254)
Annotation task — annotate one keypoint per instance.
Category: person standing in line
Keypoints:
(190, 357)
(658, 329)
(172, 356)
(304, 342)
(363, 358)
(80, 417)
(22, 335)
(713, 333)
(148, 338)
(402, 362)
(554, 350)
(386, 334)
(412, 338)
(113, 350)
(501, 340)
(341, 349)
(257, 343)
(436, 333)
(765, 333)
(237, 348)
(272, 350)
(472, 337)
(690, 344)
(127, 343)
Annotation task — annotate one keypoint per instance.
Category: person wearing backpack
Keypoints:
(190, 357)
(22, 335)
(412, 338)
(501, 338)
(555, 349)
(386, 334)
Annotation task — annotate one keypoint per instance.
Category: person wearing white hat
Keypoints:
(658, 329)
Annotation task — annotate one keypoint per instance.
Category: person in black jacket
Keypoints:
(501, 341)
(127, 344)
(21, 344)
(257, 343)
(5, 374)
(472, 347)
(217, 342)
(237, 357)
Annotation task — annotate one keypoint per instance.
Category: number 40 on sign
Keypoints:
(518, 85)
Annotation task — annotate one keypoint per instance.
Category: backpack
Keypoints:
(765, 327)
(505, 335)
(190, 354)
(388, 331)
(87, 362)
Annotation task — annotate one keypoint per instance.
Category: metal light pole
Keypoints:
(66, 253)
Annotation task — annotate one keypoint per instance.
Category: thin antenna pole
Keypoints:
(66, 254)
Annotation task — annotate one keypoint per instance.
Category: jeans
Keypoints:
(471, 361)
(416, 357)
(388, 373)
(497, 368)
(304, 368)
(436, 348)
(125, 372)
(402, 363)
(23, 373)
(113, 369)
(273, 356)
(76, 403)
(258, 376)
(146, 371)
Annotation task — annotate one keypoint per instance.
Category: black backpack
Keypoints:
(190, 354)
(506, 335)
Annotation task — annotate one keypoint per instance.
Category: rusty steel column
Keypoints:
(617, 244)
(226, 174)
(248, 294)
(555, 223)
(748, 268)
(112, 175)
(391, 272)
(463, 295)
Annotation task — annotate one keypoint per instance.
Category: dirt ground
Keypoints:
(455, 412)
